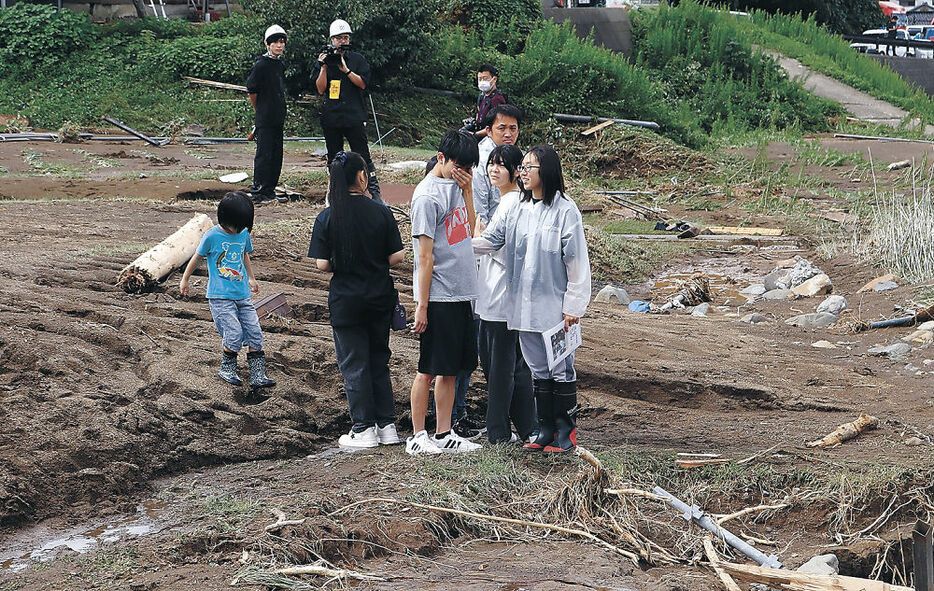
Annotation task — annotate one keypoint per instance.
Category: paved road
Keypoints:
(863, 106)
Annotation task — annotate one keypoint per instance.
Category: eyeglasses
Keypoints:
(527, 167)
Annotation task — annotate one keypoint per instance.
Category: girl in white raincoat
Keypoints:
(542, 238)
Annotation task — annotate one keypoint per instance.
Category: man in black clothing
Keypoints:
(342, 77)
(266, 88)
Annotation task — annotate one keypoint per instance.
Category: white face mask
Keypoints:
(485, 86)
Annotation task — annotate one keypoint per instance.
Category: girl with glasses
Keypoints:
(546, 261)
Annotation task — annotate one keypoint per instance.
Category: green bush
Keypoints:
(838, 16)
(483, 14)
(230, 58)
(39, 35)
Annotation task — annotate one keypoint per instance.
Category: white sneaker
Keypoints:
(453, 443)
(362, 440)
(387, 435)
(420, 443)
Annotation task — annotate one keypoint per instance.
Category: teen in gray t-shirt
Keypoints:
(438, 212)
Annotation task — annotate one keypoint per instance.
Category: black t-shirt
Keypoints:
(267, 80)
(357, 293)
(343, 100)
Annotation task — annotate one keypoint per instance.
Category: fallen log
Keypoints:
(846, 431)
(213, 84)
(163, 258)
(787, 579)
(334, 573)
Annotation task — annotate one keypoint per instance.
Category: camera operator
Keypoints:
(341, 75)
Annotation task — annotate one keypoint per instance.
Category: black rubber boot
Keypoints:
(228, 371)
(372, 184)
(543, 390)
(257, 363)
(565, 400)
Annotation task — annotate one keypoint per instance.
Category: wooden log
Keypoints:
(846, 431)
(724, 577)
(213, 84)
(787, 579)
(597, 127)
(735, 230)
(163, 258)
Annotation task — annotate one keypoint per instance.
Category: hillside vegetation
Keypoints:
(694, 70)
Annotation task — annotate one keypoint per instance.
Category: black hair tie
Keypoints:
(341, 157)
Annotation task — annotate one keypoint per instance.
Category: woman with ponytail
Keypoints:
(358, 240)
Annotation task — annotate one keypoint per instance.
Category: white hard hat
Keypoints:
(273, 31)
(339, 27)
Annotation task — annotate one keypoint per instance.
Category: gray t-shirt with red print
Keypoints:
(438, 212)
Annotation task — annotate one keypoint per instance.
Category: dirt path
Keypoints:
(862, 105)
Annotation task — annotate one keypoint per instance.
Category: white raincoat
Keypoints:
(546, 261)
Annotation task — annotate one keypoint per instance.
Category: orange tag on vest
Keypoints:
(335, 90)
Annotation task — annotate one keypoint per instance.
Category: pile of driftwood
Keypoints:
(160, 260)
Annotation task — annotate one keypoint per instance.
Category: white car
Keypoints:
(881, 48)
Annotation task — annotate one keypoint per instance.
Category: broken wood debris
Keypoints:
(160, 260)
(644, 210)
(700, 462)
(587, 119)
(213, 84)
(281, 521)
(898, 165)
(846, 431)
(795, 581)
(273, 304)
(592, 130)
(728, 583)
(334, 573)
(130, 130)
(735, 230)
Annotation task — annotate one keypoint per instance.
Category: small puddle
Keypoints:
(724, 289)
(45, 543)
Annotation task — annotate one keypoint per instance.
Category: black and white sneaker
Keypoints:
(462, 429)
(452, 443)
(421, 443)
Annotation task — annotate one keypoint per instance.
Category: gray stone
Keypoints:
(754, 318)
(914, 440)
(700, 310)
(613, 294)
(895, 351)
(825, 564)
(814, 320)
(756, 289)
(816, 285)
(929, 325)
(823, 345)
(417, 165)
(885, 286)
(801, 272)
(834, 304)
(778, 294)
(777, 279)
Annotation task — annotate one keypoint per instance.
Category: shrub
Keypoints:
(40, 35)
(230, 61)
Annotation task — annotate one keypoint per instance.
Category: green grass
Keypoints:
(110, 251)
(630, 227)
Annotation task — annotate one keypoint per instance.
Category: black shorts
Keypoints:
(449, 344)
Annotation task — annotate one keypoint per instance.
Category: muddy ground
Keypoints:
(110, 401)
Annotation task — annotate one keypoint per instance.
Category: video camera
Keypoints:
(332, 55)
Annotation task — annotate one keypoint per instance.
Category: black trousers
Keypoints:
(509, 382)
(363, 358)
(267, 163)
(356, 137)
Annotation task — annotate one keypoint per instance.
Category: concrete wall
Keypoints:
(611, 26)
(918, 71)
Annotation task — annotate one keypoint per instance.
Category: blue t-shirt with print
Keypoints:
(227, 279)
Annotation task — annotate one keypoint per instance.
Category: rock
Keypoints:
(824, 564)
(899, 164)
(418, 165)
(700, 310)
(824, 345)
(872, 284)
(929, 325)
(756, 289)
(777, 279)
(885, 286)
(814, 320)
(778, 294)
(896, 351)
(754, 318)
(816, 285)
(194, 129)
(834, 304)
(920, 337)
(613, 294)
(801, 272)
(912, 441)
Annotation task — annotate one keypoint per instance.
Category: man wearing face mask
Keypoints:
(490, 97)
(341, 75)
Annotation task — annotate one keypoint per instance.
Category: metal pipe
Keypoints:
(383, 136)
(626, 192)
(379, 139)
(586, 119)
(130, 130)
(693, 513)
(850, 136)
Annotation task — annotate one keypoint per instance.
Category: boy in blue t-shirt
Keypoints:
(227, 247)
